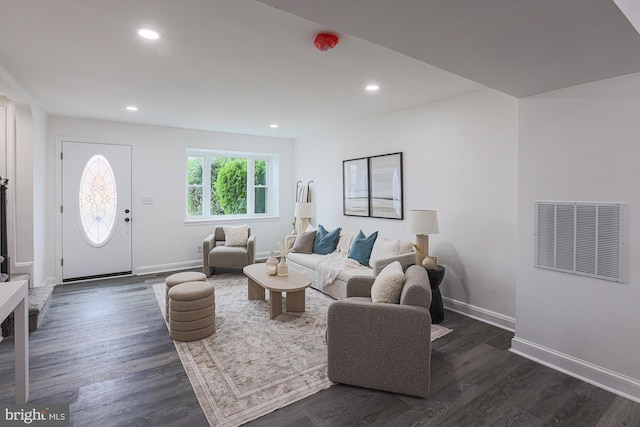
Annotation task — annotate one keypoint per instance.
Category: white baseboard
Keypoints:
(172, 266)
(20, 269)
(49, 281)
(23, 268)
(601, 377)
(482, 314)
(259, 256)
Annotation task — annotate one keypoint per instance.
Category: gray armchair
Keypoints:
(382, 346)
(216, 254)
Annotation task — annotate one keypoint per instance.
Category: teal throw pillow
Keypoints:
(326, 241)
(361, 247)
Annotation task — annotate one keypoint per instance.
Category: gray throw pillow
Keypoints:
(304, 242)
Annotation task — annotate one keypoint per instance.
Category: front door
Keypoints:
(96, 210)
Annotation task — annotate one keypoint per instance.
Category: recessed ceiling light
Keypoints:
(274, 126)
(131, 108)
(148, 34)
(372, 87)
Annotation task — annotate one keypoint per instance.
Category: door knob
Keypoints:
(127, 220)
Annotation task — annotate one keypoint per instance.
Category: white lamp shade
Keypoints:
(422, 222)
(304, 210)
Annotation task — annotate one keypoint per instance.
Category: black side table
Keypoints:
(437, 308)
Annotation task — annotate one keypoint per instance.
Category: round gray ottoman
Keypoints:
(176, 279)
(192, 311)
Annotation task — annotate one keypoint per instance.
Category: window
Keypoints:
(97, 200)
(224, 184)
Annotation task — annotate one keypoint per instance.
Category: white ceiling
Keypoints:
(240, 65)
(520, 47)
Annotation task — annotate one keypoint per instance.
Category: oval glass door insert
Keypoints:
(98, 200)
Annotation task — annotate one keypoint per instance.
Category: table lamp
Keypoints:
(304, 211)
(422, 223)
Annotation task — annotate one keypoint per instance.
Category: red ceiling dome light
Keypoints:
(325, 41)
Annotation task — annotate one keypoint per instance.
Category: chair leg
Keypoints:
(208, 271)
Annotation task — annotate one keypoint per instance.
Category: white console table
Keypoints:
(14, 298)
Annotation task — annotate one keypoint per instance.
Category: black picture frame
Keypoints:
(385, 186)
(355, 188)
(373, 187)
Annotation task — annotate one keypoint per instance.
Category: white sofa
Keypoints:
(385, 251)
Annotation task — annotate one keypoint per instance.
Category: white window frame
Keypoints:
(272, 161)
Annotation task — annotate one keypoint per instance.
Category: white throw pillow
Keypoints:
(236, 235)
(344, 243)
(310, 227)
(384, 248)
(387, 286)
(405, 246)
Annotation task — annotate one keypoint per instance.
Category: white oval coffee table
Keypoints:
(294, 285)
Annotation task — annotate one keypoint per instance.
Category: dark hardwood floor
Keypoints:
(103, 348)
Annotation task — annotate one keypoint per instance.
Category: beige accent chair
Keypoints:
(382, 346)
(216, 254)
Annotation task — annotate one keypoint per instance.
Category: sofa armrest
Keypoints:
(380, 346)
(359, 286)
(207, 244)
(251, 248)
(405, 260)
(411, 322)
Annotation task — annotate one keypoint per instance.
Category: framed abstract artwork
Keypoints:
(372, 186)
(355, 190)
(385, 189)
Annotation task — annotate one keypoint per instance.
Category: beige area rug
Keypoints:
(252, 365)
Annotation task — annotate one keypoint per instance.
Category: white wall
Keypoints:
(580, 144)
(161, 238)
(39, 270)
(23, 187)
(5, 104)
(460, 158)
(26, 131)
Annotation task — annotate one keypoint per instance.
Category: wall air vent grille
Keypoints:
(586, 239)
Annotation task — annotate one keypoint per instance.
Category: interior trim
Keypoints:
(607, 379)
(482, 314)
